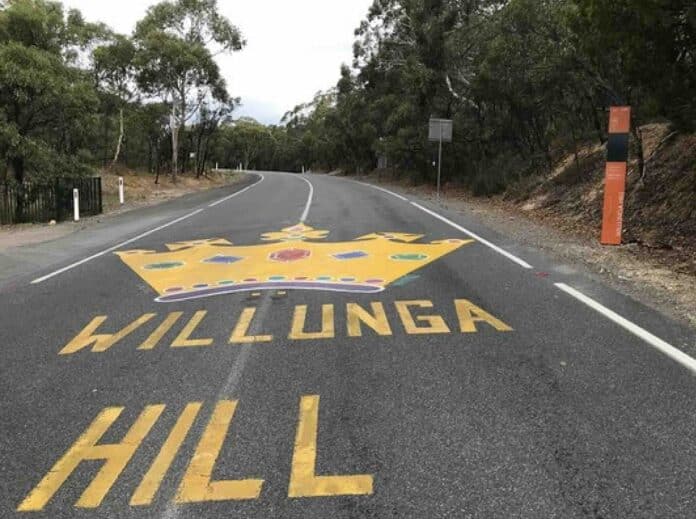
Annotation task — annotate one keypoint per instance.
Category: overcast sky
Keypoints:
(294, 47)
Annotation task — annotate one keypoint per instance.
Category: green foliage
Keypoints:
(44, 99)
(522, 80)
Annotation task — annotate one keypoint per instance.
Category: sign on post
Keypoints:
(615, 174)
(440, 131)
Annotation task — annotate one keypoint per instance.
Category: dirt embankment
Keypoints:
(140, 188)
(660, 205)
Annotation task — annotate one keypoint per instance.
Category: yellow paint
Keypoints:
(150, 484)
(239, 334)
(377, 320)
(196, 486)
(469, 314)
(298, 324)
(189, 269)
(183, 340)
(163, 328)
(303, 481)
(101, 342)
(435, 323)
(115, 456)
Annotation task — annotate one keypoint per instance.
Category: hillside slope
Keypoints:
(660, 207)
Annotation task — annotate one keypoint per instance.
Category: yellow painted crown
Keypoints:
(294, 258)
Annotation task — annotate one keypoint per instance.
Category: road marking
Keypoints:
(115, 456)
(183, 340)
(483, 241)
(101, 342)
(162, 329)
(111, 249)
(385, 191)
(305, 213)
(303, 481)
(247, 330)
(299, 318)
(150, 484)
(197, 485)
(660, 345)
(377, 320)
(238, 192)
(239, 334)
(297, 257)
(136, 238)
(435, 323)
(469, 314)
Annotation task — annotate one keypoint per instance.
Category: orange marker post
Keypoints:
(615, 174)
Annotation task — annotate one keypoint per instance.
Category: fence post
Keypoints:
(76, 204)
(99, 188)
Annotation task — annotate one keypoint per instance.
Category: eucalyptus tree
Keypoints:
(177, 43)
(45, 99)
(114, 68)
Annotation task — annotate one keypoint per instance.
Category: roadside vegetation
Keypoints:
(527, 83)
(76, 96)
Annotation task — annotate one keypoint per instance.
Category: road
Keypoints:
(314, 347)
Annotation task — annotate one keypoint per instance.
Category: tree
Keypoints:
(114, 68)
(43, 98)
(177, 41)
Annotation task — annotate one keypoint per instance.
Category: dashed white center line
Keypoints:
(305, 213)
(238, 192)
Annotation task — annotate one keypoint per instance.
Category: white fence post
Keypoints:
(76, 205)
(120, 190)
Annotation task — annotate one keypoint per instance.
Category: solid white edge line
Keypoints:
(657, 343)
(238, 192)
(385, 191)
(305, 213)
(110, 249)
(135, 238)
(483, 241)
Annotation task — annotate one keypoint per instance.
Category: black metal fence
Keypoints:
(51, 200)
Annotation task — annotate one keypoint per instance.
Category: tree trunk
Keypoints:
(16, 167)
(119, 143)
(635, 130)
(174, 123)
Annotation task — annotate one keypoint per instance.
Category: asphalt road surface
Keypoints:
(313, 347)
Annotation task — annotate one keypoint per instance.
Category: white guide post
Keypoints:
(121, 197)
(76, 205)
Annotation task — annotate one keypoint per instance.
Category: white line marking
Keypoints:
(110, 249)
(135, 238)
(238, 192)
(657, 343)
(305, 213)
(483, 241)
(385, 190)
(375, 187)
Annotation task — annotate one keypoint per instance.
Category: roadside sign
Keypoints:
(615, 174)
(440, 131)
